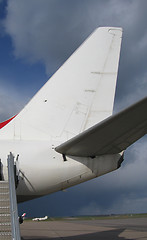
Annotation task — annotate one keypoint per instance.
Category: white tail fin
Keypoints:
(79, 95)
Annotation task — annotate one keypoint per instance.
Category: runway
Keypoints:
(115, 229)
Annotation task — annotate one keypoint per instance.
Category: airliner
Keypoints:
(67, 134)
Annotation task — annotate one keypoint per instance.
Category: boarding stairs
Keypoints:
(9, 225)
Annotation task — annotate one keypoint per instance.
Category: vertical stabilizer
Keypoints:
(79, 95)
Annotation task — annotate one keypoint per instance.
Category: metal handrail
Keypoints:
(13, 203)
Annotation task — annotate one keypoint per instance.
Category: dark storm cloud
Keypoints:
(122, 191)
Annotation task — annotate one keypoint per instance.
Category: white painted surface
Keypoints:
(80, 94)
(43, 170)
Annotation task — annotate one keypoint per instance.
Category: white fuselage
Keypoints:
(43, 171)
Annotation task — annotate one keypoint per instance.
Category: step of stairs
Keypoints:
(5, 218)
(9, 224)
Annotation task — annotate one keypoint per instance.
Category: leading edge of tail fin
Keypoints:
(79, 95)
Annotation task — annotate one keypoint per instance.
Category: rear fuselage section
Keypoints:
(41, 170)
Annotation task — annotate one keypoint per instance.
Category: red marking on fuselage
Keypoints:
(2, 124)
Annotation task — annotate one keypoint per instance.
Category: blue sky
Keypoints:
(35, 40)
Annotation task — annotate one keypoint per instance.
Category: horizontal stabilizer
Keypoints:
(112, 135)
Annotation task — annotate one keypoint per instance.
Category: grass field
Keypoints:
(113, 216)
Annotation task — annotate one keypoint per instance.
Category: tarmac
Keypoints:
(112, 229)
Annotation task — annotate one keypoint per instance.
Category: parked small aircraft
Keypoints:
(67, 134)
(40, 219)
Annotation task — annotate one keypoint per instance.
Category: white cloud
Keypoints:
(35, 30)
(48, 31)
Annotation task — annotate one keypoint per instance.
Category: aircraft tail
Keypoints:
(79, 95)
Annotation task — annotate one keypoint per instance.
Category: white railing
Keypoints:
(13, 203)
